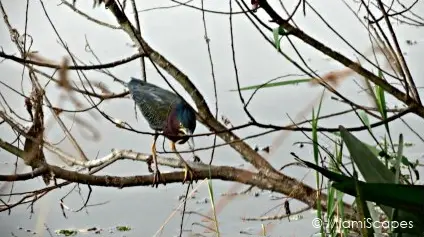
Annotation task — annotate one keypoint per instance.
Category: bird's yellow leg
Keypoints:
(187, 168)
(157, 178)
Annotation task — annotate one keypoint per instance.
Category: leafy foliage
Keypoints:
(400, 202)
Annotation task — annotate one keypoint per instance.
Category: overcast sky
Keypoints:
(178, 34)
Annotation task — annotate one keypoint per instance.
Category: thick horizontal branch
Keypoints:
(136, 156)
(57, 66)
(26, 176)
(217, 172)
(285, 185)
(225, 173)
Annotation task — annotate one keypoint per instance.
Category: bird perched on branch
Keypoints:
(166, 113)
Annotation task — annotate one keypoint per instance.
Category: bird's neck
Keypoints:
(171, 126)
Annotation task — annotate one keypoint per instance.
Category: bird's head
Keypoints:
(186, 118)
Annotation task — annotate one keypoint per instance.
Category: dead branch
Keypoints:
(42, 62)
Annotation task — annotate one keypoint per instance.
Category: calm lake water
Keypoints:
(179, 35)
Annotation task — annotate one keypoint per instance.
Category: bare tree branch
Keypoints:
(57, 66)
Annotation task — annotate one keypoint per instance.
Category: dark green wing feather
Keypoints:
(154, 102)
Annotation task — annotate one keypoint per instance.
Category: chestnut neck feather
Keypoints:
(172, 126)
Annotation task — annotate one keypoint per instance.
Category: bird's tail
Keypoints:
(141, 82)
(121, 82)
(126, 84)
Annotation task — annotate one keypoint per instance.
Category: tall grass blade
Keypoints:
(365, 119)
(375, 216)
(276, 32)
(276, 37)
(397, 168)
(274, 84)
(381, 101)
(211, 196)
(316, 158)
(399, 158)
(362, 208)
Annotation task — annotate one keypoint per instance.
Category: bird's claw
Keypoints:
(157, 179)
(149, 162)
(197, 159)
(188, 171)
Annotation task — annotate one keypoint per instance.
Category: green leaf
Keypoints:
(396, 195)
(405, 197)
(335, 177)
(365, 119)
(371, 168)
(374, 171)
(377, 152)
(274, 84)
(276, 33)
(381, 101)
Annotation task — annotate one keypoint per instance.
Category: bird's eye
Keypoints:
(181, 130)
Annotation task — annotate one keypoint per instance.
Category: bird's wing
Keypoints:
(154, 102)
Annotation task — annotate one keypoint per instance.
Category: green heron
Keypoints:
(165, 112)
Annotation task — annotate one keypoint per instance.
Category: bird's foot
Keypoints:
(197, 159)
(157, 179)
(149, 162)
(188, 171)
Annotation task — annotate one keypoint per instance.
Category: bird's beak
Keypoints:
(190, 140)
(191, 143)
(186, 132)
